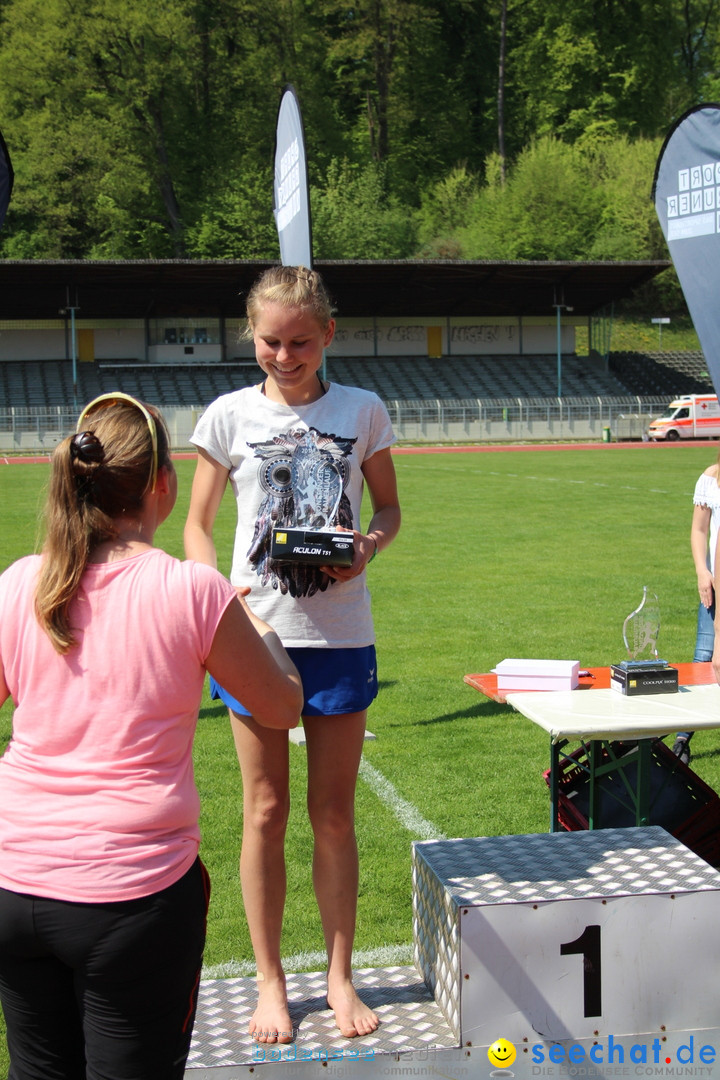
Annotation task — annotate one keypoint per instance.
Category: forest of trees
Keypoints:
(471, 129)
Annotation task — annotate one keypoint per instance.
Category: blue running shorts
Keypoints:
(335, 681)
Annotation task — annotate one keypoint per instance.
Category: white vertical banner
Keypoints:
(686, 193)
(291, 187)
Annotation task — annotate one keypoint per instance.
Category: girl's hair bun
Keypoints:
(87, 447)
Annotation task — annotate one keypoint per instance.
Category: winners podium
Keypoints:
(587, 951)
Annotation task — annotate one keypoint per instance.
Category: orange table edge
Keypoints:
(690, 674)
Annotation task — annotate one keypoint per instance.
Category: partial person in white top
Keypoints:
(297, 451)
(703, 543)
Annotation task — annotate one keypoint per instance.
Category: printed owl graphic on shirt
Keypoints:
(303, 474)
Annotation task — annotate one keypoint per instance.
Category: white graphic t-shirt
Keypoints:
(297, 466)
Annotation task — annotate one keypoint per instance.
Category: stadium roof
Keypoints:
(39, 289)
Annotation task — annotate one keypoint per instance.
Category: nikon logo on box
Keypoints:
(312, 546)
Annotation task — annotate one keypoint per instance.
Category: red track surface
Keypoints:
(487, 448)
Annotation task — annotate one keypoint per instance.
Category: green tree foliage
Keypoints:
(542, 212)
(145, 128)
(100, 104)
(444, 211)
(559, 201)
(604, 64)
(237, 224)
(355, 218)
(627, 225)
(130, 120)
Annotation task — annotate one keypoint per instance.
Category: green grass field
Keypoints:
(507, 553)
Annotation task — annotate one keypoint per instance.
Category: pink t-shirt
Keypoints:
(97, 795)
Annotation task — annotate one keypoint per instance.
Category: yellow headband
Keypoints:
(105, 400)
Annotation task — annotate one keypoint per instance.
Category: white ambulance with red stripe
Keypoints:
(692, 416)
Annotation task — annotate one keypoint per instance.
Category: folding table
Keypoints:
(605, 716)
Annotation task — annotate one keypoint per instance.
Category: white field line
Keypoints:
(384, 956)
(408, 816)
(563, 480)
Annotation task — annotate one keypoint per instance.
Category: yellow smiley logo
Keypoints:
(501, 1053)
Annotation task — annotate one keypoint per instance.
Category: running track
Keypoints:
(42, 459)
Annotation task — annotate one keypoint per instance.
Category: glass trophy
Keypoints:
(318, 488)
(643, 673)
(640, 632)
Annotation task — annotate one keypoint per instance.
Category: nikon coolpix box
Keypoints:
(644, 677)
(312, 546)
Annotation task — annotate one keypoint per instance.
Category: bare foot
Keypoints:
(352, 1016)
(271, 1021)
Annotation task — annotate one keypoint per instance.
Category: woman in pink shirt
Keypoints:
(105, 641)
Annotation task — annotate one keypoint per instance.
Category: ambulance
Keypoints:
(692, 416)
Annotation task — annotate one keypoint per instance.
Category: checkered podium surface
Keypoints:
(409, 1019)
(443, 1006)
(454, 878)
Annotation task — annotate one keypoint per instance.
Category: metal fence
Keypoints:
(38, 429)
(525, 419)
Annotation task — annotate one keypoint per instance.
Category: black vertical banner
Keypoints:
(6, 179)
(291, 187)
(686, 193)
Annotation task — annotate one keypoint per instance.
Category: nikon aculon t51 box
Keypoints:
(648, 677)
(312, 546)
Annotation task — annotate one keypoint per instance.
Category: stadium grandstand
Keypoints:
(457, 350)
(49, 383)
